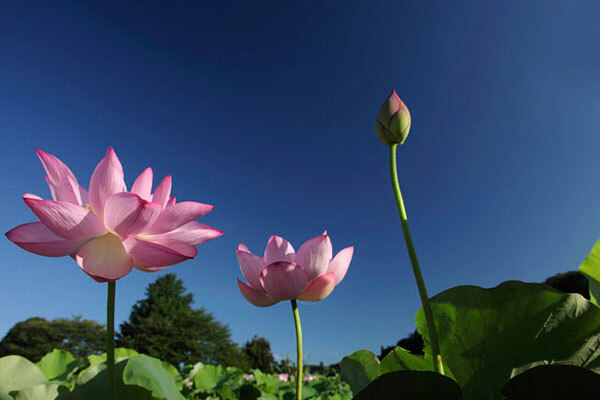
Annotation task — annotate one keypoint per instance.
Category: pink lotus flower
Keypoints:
(309, 377)
(109, 231)
(309, 275)
(284, 377)
(247, 377)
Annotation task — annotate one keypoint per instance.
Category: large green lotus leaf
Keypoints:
(150, 373)
(553, 382)
(93, 385)
(485, 333)
(359, 369)
(18, 373)
(400, 359)
(39, 392)
(411, 385)
(248, 392)
(207, 377)
(362, 367)
(587, 356)
(57, 364)
(170, 368)
(121, 353)
(590, 267)
(269, 383)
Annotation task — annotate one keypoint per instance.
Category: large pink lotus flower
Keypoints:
(110, 231)
(309, 275)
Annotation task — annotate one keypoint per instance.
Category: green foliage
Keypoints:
(39, 392)
(414, 385)
(164, 325)
(121, 353)
(58, 365)
(140, 377)
(363, 367)
(570, 282)
(590, 267)
(552, 382)
(258, 352)
(152, 374)
(359, 369)
(36, 336)
(17, 373)
(489, 332)
(91, 385)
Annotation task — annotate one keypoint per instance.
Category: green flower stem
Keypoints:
(110, 340)
(298, 350)
(435, 345)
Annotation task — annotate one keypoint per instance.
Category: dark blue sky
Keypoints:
(267, 111)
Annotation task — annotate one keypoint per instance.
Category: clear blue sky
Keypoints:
(267, 111)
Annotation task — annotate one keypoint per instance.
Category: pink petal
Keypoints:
(192, 233)
(143, 184)
(278, 249)
(148, 269)
(171, 201)
(163, 191)
(339, 265)
(314, 255)
(51, 186)
(62, 182)
(104, 258)
(85, 198)
(36, 238)
(106, 180)
(67, 220)
(178, 215)
(250, 265)
(243, 247)
(283, 280)
(259, 299)
(158, 254)
(318, 288)
(127, 214)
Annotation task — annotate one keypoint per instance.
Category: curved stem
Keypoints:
(435, 345)
(298, 350)
(110, 340)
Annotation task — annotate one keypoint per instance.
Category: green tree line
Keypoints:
(164, 325)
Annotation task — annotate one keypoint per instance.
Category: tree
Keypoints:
(164, 325)
(36, 336)
(413, 343)
(258, 351)
(570, 282)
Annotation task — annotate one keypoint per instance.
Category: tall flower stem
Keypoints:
(435, 345)
(298, 350)
(110, 340)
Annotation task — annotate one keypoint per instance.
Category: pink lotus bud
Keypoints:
(393, 121)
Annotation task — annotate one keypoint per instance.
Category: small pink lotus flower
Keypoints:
(109, 231)
(284, 377)
(247, 377)
(309, 275)
(309, 377)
